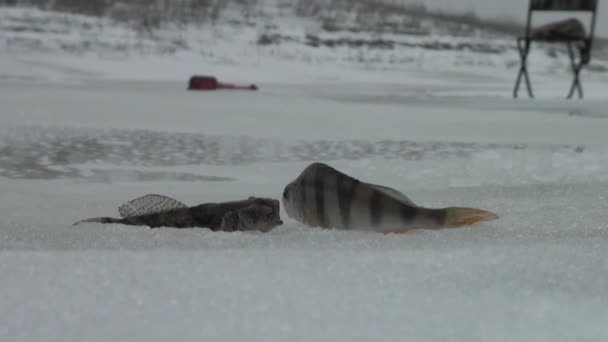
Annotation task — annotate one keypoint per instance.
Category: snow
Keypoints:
(81, 135)
(538, 273)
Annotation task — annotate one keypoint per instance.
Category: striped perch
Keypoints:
(325, 197)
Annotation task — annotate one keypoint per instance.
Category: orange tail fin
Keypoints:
(462, 217)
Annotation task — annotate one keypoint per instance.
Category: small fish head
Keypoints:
(263, 215)
(291, 201)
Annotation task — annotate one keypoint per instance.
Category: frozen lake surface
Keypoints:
(72, 150)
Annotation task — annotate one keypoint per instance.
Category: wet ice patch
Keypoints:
(50, 152)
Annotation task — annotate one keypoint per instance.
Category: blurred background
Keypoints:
(369, 33)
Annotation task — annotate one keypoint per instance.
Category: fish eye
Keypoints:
(286, 193)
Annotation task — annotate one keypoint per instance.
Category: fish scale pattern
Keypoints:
(149, 204)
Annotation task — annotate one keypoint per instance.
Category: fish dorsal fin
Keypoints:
(398, 195)
(149, 204)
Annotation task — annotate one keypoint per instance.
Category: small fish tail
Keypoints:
(100, 220)
(462, 217)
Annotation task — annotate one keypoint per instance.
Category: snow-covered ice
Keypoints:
(80, 136)
(539, 273)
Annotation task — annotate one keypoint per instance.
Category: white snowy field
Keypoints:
(72, 148)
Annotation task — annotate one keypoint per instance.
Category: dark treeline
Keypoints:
(383, 8)
(155, 12)
(152, 12)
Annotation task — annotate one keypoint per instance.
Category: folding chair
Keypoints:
(583, 43)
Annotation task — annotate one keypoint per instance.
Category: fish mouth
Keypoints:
(285, 207)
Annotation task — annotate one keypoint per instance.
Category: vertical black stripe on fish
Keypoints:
(346, 190)
(319, 186)
(376, 209)
(438, 216)
(408, 213)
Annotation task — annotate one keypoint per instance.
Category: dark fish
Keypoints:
(325, 197)
(261, 214)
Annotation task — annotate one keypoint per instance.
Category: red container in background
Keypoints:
(200, 82)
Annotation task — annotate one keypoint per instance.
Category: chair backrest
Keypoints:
(564, 5)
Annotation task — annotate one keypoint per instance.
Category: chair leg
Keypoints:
(528, 84)
(516, 88)
(523, 70)
(576, 69)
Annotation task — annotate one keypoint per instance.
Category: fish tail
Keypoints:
(462, 217)
(100, 220)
